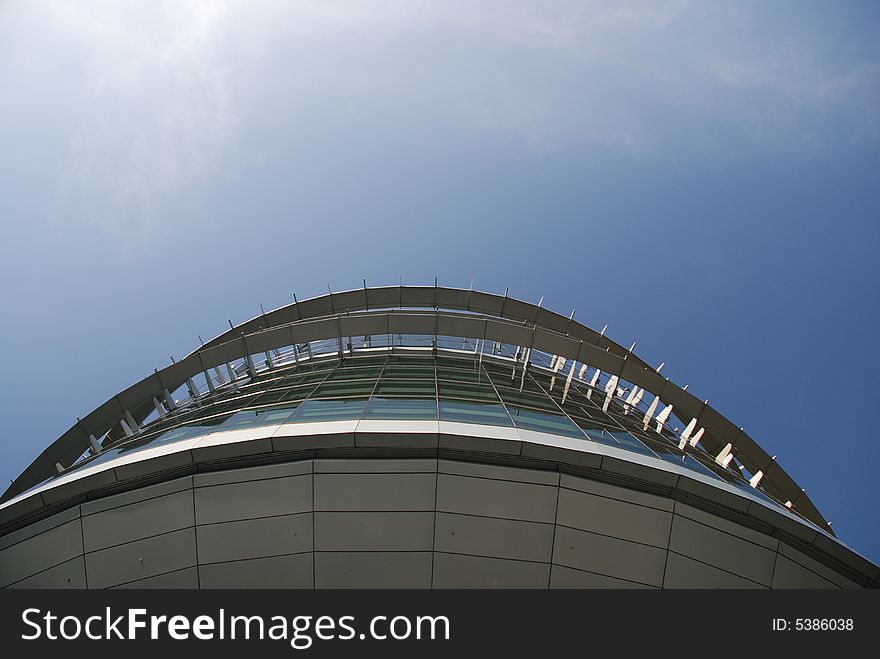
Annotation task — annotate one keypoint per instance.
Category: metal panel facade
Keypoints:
(377, 525)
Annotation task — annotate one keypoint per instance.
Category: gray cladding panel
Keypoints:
(254, 538)
(370, 531)
(627, 521)
(374, 491)
(495, 498)
(373, 569)
(498, 472)
(39, 552)
(38, 527)
(788, 574)
(185, 578)
(371, 466)
(486, 536)
(683, 572)
(139, 494)
(141, 559)
(262, 472)
(725, 525)
(459, 571)
(815, 567)
(610, 556)
(615, 492)
(566, 577)
(262, 498)
(70, 574)
(722, 550)
(138, 520)
(376, 526)
(274, 572)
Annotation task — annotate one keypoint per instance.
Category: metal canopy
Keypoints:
(428, 310)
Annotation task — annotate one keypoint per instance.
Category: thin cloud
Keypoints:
(163, 100)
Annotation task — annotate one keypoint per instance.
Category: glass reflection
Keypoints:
(255, 418)
(493, 414)
(328, 410)
(420, 388)
(544, 422)
(401, 408)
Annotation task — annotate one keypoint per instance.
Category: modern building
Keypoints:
(413, 437)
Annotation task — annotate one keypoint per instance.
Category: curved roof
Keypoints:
(430, 310)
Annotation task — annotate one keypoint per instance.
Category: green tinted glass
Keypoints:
(462, 375)
(366, 361)
(526, 399)
(628, 441)
(451, 362)
(543, 422)
(299, 392)
(492, 414)
(344, 389)
(467, 391)
(354, 373)
(275, 396)
(261, 417)
(426, 361)
(423, 388)
(303, 378)
(408, 372)
(401, 408)
(328, 410)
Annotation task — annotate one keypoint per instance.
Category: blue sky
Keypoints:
(703, 177)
